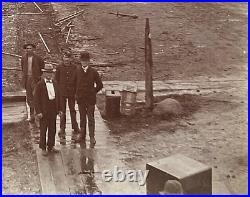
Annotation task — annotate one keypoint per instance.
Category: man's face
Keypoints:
(84, 63)
(77, 56)
(29, 50)
(49, 75)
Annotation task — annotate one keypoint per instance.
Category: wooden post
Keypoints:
(149, 99)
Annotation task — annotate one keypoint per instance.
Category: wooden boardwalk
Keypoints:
(63, 173)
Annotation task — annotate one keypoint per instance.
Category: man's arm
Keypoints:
(57, 75)
(37, 98)
(42, 63)
(22, 63)
(57, 91)
(98, 82)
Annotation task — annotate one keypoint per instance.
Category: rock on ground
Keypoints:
(168, 107)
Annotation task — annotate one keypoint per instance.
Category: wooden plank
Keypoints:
(72, 170)
(58, 174)
(46, 179)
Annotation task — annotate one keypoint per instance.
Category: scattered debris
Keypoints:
(38, 7)
(115, 53)
(196, 147)
(69, 17)
(124, 15)
(47, 48)
(67, 26)
(190, 123)
(14, 55)
(14, 69)
(19, 56)
(90, 38)
(67, 39)
(30, 13)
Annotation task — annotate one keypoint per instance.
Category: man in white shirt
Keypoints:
(46, 99)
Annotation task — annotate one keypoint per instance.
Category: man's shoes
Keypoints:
(80, 138)
(76, 131)
(74, 135)
(92, 142)
(53, 150)
(61, 133)
(44, 153)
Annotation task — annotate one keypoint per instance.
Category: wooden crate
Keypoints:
(195, 177)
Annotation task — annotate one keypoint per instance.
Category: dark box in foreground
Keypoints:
(195, 177)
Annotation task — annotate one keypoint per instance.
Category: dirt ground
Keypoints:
(19, 168)
(190, 41)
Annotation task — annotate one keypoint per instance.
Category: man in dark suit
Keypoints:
(47, 106)
(65, 76)
(88, 84)
(31, 66)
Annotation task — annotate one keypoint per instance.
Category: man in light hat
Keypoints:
(47, 106)
(65, 77)
(31, 65)
(88, 84)
(172, 187)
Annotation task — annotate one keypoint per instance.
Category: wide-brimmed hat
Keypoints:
(172, 187)
(29, 44)
(49, 68)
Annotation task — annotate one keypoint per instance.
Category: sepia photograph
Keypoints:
(125, 98)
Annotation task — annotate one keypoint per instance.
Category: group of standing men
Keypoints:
(49, 89)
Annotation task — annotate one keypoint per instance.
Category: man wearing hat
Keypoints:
(47, 106)
(31, 66)
(88, 84)
(65, 77)
(172, 187)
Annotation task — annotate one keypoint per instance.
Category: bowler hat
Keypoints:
(49, 68)
(29, 44)
(172, 187)
(84, 55)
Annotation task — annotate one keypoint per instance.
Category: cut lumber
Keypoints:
(38, 7)
(66, 19)
(19, 56)
(45, 172)
(124, 15)
(70, 15)
(44, 43)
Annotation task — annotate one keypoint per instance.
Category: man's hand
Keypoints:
(60, 114)
(39, 115)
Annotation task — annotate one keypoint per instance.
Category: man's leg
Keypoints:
(61, 133)
(71, 103)
(43, 131)
(91, 124)
(83, 112)
(29, 98)
(51, 134)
